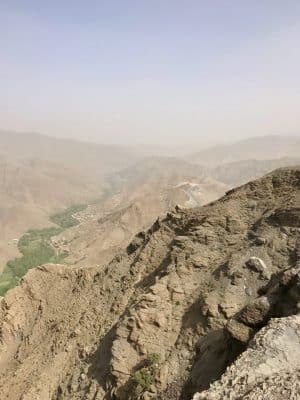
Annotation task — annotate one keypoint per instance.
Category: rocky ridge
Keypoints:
(166, 318)
(268, 369)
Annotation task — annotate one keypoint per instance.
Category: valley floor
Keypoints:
(36, 249)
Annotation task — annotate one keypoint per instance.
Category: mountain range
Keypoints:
(201, 305)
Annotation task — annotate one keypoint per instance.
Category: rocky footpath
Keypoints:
(166, 317)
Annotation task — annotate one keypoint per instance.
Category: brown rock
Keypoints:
(256, 312)
(239, 331)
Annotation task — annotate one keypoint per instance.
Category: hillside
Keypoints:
(140, 193)
(40, 175)
(239, 172)
(30, 191)
(91, 159)
(166, 317)
(125, 203)
(255, 148)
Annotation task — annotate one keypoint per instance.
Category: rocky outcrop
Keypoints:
(268, 369)
(167, 316)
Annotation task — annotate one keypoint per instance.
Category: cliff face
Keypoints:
(268, 369)
(165, 318)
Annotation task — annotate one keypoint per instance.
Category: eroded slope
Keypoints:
(165, 318)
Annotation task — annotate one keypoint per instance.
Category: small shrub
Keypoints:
(144, 379)
(153, 358)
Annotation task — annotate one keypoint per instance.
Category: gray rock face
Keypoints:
(268, 369)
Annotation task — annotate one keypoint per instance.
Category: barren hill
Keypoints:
(92, 159)
(166, 317)
(255, 148)
(239, 172)
(30, 191)
(141, 192)
(40, 175)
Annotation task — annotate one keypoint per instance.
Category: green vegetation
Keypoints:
(153, 359)
(145, 377)
(35, 246)
(65, 218)
(36, 250)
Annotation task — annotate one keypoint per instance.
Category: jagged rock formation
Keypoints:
(164, 319)
(268, 369)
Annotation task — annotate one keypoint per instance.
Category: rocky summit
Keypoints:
(203, 305)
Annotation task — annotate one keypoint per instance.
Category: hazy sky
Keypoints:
(150, 71)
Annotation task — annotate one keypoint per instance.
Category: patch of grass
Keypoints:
(36, 250)
(65, 218)
(7, 281)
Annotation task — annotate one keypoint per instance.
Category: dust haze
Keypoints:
(163, 74)
(149, 200)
